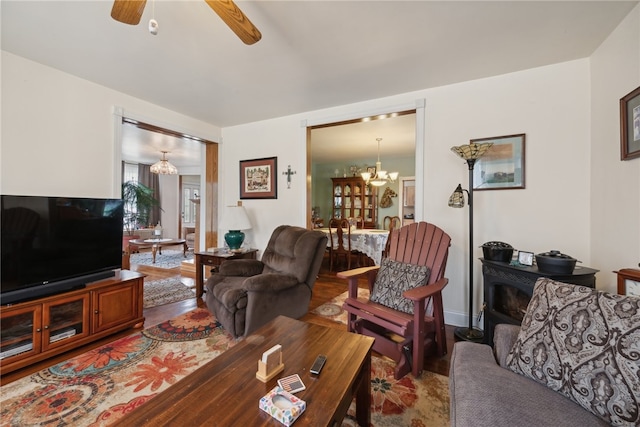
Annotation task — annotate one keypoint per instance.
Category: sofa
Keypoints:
(244, 294)
(574, 361)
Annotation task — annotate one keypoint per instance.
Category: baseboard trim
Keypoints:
(455, 318)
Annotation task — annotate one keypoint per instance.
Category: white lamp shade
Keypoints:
(234, 218)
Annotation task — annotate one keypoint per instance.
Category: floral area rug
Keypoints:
(100, 386)
(168, 259)
(165, 291)
(333, 308)
(410, 402)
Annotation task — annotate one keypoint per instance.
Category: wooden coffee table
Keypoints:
(226, 392)
(157, 244)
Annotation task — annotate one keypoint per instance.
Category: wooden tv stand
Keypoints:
(38, 329)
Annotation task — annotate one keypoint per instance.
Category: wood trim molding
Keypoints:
(211, 195)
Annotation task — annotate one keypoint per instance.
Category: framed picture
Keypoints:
(525, 258)
(630, 125)
(371, 170)
(258, 178)
(502, 166)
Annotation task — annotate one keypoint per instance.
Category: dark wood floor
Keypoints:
(327, 287)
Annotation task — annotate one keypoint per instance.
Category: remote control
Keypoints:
(318, 364)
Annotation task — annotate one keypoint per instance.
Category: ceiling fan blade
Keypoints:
(236, 20)
(128, 11)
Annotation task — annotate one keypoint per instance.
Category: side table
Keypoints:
(213, 260)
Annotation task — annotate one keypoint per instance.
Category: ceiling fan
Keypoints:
(130, 12)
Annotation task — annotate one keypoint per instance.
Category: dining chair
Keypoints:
(391, 222)
(404, 312)
(338, 230)
(359, 222)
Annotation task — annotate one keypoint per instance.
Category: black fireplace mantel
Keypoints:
(503, 281)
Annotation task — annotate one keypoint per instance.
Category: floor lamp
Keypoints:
(470, 153)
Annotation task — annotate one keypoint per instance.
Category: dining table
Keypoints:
(369, 241)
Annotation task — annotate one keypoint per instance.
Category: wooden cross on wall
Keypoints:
(289, 172)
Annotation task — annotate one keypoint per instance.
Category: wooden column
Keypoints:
(211, 197)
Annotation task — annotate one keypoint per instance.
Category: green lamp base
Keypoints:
(234, 239)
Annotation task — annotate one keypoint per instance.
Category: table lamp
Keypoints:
(235, 220)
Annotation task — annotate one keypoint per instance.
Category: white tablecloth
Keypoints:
(368, 241)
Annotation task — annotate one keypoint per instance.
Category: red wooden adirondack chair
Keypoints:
(404, 337)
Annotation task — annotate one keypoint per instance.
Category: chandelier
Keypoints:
(163, 167)
(380, 177)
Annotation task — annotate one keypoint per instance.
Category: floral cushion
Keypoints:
(584, 344)
(393, 279)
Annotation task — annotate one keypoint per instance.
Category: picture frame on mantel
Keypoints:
(630, 125)
(502, 166)
(259, 178)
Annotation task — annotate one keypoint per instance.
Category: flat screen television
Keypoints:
(55, 244)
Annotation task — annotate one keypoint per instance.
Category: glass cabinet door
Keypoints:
(357, 203)
(65, 319)
(369, 205)
(337, 201)
(20, 331)
(347, 200)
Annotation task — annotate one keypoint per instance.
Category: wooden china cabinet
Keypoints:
(352, 198)
(35, 330)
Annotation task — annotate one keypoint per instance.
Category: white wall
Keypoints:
(549, 104)
(49, 116)
(280, 138)
(615, 184)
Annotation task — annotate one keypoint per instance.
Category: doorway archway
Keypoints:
(207, 169)
(386, 113)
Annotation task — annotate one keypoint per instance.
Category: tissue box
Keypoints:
(282, 405)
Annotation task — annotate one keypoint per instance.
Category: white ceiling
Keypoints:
(143, 146)
(313, 54)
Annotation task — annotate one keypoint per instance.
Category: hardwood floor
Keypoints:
(326, 287)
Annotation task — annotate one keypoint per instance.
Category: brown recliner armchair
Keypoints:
(246, 293)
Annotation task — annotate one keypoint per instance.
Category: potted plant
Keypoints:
(138, 201)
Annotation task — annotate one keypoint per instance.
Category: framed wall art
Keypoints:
(525, 258)
(502, 166)
(258, 178)
(630, 125)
